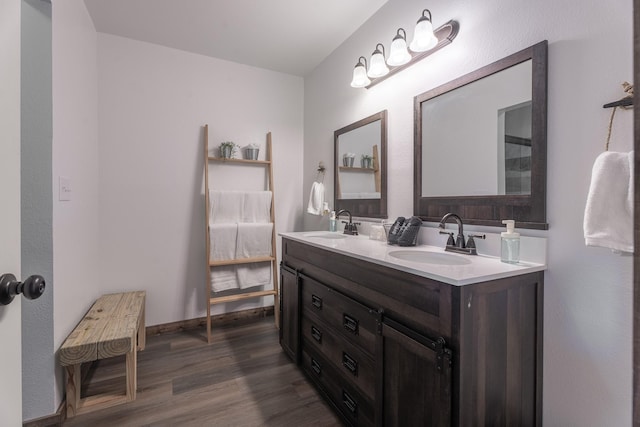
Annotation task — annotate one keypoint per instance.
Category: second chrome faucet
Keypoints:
(459, 244)
(350, 227)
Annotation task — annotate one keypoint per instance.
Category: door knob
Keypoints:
(32, 288)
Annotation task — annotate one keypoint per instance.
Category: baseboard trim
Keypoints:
(57, 419)
(217, 320)
(53, 420)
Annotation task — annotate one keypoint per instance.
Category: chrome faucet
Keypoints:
(349, 227)
(459, 245)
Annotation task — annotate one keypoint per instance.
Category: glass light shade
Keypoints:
(377, 65)
(399, 55)
(423, 37)
(360, 78)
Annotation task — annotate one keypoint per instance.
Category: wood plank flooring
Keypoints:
(242, 379)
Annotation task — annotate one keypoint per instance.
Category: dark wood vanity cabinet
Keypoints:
(289, 306)
(389, 348)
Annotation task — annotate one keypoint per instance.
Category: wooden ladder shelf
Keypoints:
(212, 264)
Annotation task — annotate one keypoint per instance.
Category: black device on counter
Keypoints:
(409, 232)
(394, 231)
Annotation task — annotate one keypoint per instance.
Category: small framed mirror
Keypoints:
(360, 162)
(480, 144)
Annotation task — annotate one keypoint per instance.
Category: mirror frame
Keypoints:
(529, 211)
(367, 208)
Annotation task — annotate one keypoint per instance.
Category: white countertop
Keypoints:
(473, 268)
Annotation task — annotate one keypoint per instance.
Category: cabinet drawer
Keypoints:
(354, 321)
(351, 362)
(358, 410)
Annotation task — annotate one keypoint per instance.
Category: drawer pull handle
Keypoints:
(350, 363)
(316, 301)
(350, 324)
(316, 366)
(316, 334)
(348, 401)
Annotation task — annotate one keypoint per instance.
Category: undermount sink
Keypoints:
(327, 235)
(427, 257)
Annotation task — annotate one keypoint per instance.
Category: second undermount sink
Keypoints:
(326, 235)
(427, 257)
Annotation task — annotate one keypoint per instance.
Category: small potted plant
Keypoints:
(365, 161)
(227, 149)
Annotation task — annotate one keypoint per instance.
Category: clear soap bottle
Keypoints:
(510, 243)
(333, 223)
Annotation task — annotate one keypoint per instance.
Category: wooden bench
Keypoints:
(113, 326)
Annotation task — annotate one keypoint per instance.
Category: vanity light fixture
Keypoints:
(360, 78)
(399, 54)
(423, 37)
(377, 63)
(425, 42)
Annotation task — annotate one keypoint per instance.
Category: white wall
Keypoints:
(587, 309)
(153, 103)
(75, 155)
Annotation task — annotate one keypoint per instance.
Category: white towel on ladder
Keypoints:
(226, 206)
(254, 274)
(254, 240)
(608, 216)
(224, 278)
(223, 240)
(257, 206)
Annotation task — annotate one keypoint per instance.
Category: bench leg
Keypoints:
(73, 389)
(132, 374)
(142, 331)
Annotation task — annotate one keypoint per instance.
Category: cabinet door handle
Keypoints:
(316, 334)
(350, 324)
(316, 366)
(349, 402)
(316, 301)
(350, 363)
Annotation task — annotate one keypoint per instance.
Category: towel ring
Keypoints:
(321, 169)
(625, 103)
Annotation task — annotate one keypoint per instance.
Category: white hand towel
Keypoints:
(254, 240)
(226, 206)
(254, 274)
(257, 206)
(316, 199)
(608, 216)
(223, 239)
(224, 278)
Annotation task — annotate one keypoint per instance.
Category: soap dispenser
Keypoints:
(333, 223)
(510, 243)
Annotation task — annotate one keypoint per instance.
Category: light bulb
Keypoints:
(423, 37)
(399, 55)
(360, 78)
(377, 65)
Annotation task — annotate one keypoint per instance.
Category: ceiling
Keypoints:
(290, 36)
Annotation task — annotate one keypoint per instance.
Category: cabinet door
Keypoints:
(290, 312)
(416, 379)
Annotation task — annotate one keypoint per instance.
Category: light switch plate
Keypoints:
(64, 189)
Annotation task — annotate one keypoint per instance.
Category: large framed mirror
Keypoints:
(360, 164)
(480, 144)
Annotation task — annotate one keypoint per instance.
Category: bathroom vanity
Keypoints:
(413, 336)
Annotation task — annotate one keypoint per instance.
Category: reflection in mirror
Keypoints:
(475, 121)
(360, 167)
(480, 144)
(359, 174)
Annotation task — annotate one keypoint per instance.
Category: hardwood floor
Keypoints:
(242, 379)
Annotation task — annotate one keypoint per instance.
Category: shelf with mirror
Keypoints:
(480, 144)
(361, 187)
